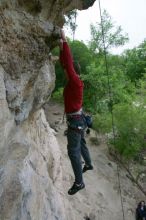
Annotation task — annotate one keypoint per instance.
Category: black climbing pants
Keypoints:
(77, 146)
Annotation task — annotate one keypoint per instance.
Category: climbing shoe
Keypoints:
(86, 167)
(75, 188)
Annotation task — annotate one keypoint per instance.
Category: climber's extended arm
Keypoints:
(66, 57)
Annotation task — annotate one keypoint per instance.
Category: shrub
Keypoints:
(102, 122)
(130, 129)
(58, 95)
(129, 126)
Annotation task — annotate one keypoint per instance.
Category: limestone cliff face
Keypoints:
(30, 159)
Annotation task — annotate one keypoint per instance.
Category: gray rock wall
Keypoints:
(30, 159)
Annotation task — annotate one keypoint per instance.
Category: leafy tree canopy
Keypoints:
(113, 36)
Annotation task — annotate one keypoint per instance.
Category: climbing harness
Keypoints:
(111, 103)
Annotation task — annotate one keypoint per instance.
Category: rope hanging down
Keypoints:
(111, 103)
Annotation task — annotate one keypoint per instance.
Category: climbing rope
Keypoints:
(111, 104)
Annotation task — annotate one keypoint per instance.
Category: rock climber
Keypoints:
(73, 100)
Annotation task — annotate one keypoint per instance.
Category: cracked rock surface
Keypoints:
(30, 157)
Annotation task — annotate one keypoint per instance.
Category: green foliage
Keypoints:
(135, 62)
(130, 129)
(102, 123)
(95, 87)
(58, 95)
(82, 54)
(113, 36)
(100, 85)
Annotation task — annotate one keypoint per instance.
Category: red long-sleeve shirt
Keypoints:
(73, 91)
